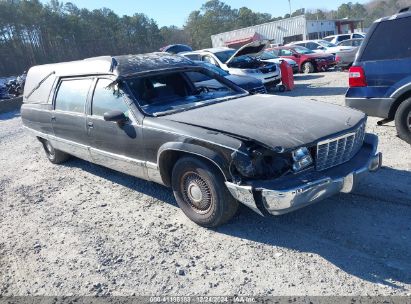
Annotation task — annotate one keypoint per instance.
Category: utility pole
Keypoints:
(289, 2)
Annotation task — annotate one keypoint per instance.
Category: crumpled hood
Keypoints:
(273, 120)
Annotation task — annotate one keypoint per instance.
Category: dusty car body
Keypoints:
(213, 148)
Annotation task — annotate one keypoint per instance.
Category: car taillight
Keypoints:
(337, 58)
(357, 77)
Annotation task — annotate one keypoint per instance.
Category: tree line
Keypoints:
(35, 33)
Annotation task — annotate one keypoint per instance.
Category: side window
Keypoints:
(276, 52)
(72, 95)
(383, 45)
(357, 42)
(286, 53)
(312, 45)
(210, 59)
(344, 37)
(192, 56)
(107, 98)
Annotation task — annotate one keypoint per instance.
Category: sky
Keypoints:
(175, 12)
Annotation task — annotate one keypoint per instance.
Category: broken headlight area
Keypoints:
(257, 162)
(260, 163)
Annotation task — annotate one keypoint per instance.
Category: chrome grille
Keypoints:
(258, 90)
(335, 151)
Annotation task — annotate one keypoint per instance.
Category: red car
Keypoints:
(307, 60)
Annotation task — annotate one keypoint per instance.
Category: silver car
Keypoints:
(346, 58)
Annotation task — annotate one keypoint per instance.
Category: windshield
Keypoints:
(223, 56)
(268, 55)
(179, 91)
(302, 50)
(326, 43)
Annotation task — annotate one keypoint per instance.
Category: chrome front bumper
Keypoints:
(293, 192)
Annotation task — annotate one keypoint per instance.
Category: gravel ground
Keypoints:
(81, 229)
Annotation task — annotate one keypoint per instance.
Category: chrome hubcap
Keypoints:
(196, 192)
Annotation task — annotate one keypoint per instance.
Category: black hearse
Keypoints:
(215, 146)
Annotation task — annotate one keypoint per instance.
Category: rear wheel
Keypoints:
(308, 68)
(403, 120)
(201, 194)
(55, 156)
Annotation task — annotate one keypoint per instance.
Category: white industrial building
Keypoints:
(287, 30)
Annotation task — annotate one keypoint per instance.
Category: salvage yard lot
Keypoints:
(81, 229)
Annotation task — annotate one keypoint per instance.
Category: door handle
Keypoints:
(90, 124)
(53, 118)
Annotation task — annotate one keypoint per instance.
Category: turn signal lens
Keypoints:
(302, 159)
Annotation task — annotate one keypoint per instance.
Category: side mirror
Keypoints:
(116, 116)
(296, 55)
(320, 48)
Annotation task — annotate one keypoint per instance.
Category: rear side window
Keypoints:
(72, 95)
(286, 53)
(107, 98)
(312, 45)
(193, 56)
(390, 40)
(343, 37)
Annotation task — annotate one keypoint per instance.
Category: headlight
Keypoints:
(262, 163)
(302, 159)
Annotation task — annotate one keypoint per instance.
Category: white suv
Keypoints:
(243, 61)
(338, 38)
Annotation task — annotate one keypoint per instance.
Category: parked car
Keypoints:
(341, 37)
(248, 83)
(176, 48)
(142, 115)
(356, 42)
(380, 78)
(307, 60)
(269, 56)
(243, 61)
(322, 46)
(347, 58)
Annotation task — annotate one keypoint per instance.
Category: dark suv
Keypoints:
(212, 142)
(380, 78)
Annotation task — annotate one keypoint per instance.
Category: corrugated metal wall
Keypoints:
(275, 31)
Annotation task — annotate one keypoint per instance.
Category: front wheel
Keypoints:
(403, 120)
(201, 194)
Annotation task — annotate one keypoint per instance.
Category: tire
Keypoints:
(403, 120)
(55, 156)
(201, 194)
(308, 68)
